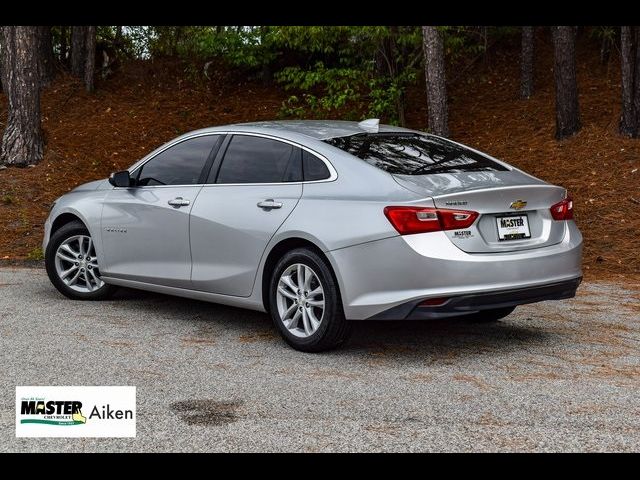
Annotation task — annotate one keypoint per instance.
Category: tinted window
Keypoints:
(252, 159)
(413, 154)
(181, 164)
(313, 167)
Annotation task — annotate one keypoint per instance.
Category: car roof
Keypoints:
(317, 129)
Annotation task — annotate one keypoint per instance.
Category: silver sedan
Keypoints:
(319, 223)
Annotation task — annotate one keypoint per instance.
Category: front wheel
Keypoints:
(305, 302)
(72, 264)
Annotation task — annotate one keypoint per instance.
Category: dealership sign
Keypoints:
(75, 411)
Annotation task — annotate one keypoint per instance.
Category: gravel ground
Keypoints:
(555, 376)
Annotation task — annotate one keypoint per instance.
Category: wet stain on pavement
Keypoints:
(206, 412)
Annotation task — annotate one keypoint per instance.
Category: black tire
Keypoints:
(488, 316)
(69, 230)
(334, 329)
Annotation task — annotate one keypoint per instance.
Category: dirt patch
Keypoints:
(207, 413)
(489, 419)
(257, 337)
(332, 373)
(119, 344)
(543, 375)
(198, 341)
(420, 377)
(475, 381)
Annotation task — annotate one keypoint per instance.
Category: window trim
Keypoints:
(138, 166)
(218, 155)
(333, 174)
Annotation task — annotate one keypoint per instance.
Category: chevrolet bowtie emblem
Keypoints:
(518, 204)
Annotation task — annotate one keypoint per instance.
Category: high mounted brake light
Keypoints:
(409, 220)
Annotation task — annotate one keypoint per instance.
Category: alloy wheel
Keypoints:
(77, 265)
(300, 300)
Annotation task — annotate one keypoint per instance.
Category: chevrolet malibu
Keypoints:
(319, 223)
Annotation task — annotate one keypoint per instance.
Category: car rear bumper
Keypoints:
(466, 304)
(402, 271)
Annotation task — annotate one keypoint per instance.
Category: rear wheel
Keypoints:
(305, 302)
(486, 316)
(72, 264)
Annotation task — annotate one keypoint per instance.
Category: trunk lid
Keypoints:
(503, 199)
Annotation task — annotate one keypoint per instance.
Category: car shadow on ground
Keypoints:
(396, 338)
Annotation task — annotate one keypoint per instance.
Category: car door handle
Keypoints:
(178, 202)
(269, 204)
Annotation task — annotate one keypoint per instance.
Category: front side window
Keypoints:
(414, 154)
(251, 159)
(180, 164)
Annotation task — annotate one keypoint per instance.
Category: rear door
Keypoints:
(253, 187)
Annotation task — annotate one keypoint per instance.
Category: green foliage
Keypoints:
(35, 254)
(337, 85)
(461, 40)
(604, 32)
(354, 70)
(350, 71)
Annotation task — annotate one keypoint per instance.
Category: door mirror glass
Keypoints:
(120, 179)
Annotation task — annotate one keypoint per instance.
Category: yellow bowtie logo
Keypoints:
(518, 204)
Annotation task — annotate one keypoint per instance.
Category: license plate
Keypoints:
(513, 227)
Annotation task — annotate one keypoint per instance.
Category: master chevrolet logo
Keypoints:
(518, 204)
(52, 412)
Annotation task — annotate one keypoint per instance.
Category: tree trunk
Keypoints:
(45, 55)
(117, 40)
(629, 117)
(605, 50)
(526, 65)
(435, 75)
(63, 44)
(22, 143)
(90, 58)
(78, 40)
(636, 84)
(567, 108)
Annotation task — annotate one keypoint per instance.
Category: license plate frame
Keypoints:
(513, 232)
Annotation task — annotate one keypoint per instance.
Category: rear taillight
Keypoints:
(563, 210)
(408, 220)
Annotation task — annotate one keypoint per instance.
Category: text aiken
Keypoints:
(106, 413)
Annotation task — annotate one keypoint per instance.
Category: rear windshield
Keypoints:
(413, 154)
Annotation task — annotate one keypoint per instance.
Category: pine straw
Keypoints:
(148, 103)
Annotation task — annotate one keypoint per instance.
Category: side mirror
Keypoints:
(120, 179)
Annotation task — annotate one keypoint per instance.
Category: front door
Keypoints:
(145, 228)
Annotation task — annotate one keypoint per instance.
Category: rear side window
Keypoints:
(313, 168)
(180, 164)
(250, 159)
(413, 154)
